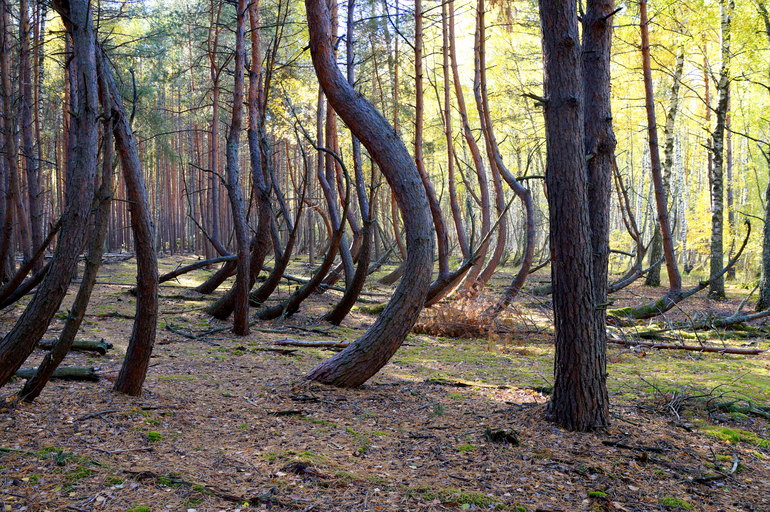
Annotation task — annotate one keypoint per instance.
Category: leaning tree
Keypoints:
(365, 356)
(19, 343)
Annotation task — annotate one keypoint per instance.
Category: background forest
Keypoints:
(201, 200)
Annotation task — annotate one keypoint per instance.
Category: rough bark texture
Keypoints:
(137, 360)
(82, 163)
(599, 155)
(234, 190)
(579, 400)
(364, 357)
(34, 386)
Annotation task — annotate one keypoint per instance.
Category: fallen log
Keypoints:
(99, 346)
(87, 373)
(311, 344)
(692, 348)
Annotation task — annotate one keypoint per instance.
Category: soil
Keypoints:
(230, 423)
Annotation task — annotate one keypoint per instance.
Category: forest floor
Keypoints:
(228, 423)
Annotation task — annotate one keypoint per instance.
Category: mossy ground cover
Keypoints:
(223, 421)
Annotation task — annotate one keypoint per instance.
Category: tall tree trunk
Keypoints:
(579, 400)
(462, 238)
(656, 248)
(599, 140)
(661, 200)
(501, 171)
(21, 340)
(485, 118)
(365, 356)
(261, 243)
(717, 286)
(356, 284)
(215, 72)
(442, 239)
(478, 162)
(27, 130)
(763, 302)
(243, 273)
(15, 210)
(103, 200)
(730, 186)
(137, 360)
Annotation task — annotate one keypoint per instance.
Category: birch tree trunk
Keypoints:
(717, 286)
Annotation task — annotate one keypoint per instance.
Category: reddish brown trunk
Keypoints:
(661, 201)
(462, 238)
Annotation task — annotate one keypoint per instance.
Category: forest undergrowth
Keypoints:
(456, 421)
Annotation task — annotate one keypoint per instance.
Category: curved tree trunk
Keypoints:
(137, 360)
(442, 239)
(462, 238)
(8, 289)
(521, 192)
(34, 386)
(485, 119)
(364, 240)
(364, 357)
(478, 163)
(82, 163)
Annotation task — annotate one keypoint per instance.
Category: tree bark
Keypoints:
(502, 171)
(716, 261)
(234, 190)
(364, 357)
(579, 400)
(478, 162)
(103, 200)
(21, 340)
(763, 302)
(661, 201)
(137, 360)
(355, 285)
(26, 121)
(462, 238)
(656, 248)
